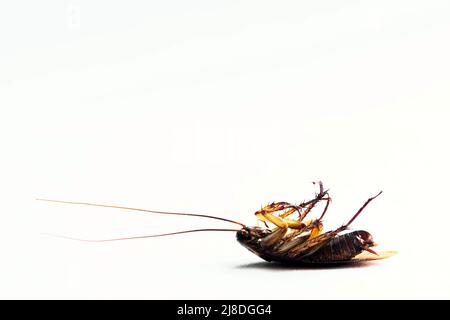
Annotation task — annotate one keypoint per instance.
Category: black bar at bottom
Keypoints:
(226, 309)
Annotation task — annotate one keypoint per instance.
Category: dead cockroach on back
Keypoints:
(290, 241)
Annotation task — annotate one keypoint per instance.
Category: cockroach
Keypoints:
(288, 241)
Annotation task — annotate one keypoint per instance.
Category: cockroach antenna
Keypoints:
(144, 210)
(141, 237)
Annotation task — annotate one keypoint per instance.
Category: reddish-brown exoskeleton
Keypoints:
(290, 241)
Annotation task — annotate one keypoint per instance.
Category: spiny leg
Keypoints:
(283, 224)
(316, 226)
(267, 213)
(279, 222)
(311, 230)
(299, 236)
(361, 209)
(291, 211)
(311, 204)
(312, 245)
(280, 231)
(280, 206)
(326, 208)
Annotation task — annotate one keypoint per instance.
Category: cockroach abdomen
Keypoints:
(341, 248)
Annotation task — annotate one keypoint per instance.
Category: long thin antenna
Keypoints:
(143, 237)
(143, 210)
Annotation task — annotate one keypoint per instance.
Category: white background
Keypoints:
(219, 107)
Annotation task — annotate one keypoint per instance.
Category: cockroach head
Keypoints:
(250, 234)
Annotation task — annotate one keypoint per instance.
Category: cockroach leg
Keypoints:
(279, 222)
(267, 213)
(290, 211)
(316, 229)
(317, 226)
(274, 238)
(312, 245)
(320, 197)
(291, 208)
(326, 208)
(360, 210)
(266, 216)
